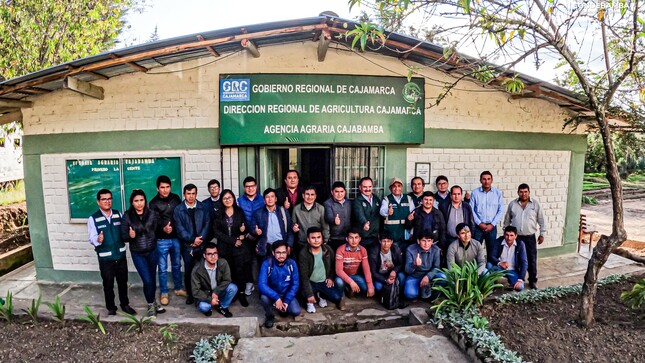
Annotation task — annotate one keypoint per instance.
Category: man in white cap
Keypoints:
(395, 208)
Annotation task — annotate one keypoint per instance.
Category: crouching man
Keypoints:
(278, 282)
(422, 262)
(211, 283)
(510, 258)
(466, 249)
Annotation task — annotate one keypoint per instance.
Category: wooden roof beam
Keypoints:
(5, 102)
(132, 65)
(208, 47)
(323, 44)
(250, 47)
(84, 88)
(35, 90)
(158, 52)
(11, 116)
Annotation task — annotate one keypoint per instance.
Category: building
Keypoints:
(262, 99)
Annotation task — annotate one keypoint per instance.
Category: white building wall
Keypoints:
(546, 172)
(68, 240)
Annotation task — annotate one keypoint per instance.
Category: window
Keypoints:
(354, 163)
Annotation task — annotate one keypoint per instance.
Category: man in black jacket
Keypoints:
(163, 204)
(193, 225)
(316, 266)
(429, 220)
(455, 212)
(386, 263)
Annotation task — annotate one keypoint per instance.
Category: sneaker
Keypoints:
(311, 308)
(322, 302)
(159, 309)
(243, 301)
(128, 309)
(151, 310)
(268, 322)
(181, 292)
(223, 311)
(164, 299)
(208, 313)
(533, 285)
(341, 305)
(190, 300)
(248, 290)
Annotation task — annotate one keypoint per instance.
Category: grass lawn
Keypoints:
(595, 181)
(12, 194)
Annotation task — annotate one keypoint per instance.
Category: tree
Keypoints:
(511, 31)
(36, 34)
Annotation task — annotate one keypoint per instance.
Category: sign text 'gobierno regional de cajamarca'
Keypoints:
(320, 109)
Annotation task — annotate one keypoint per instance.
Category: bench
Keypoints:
(583, 229)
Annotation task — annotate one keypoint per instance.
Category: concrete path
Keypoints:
(420, 343)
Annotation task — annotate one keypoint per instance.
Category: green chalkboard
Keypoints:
(142, 173)
(85, 178)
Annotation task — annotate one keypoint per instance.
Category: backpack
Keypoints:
(390, 295)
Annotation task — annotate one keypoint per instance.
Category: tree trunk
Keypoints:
(606, 244)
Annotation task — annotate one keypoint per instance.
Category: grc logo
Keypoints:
(231, 90)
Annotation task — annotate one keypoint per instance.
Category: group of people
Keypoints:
(308, 253)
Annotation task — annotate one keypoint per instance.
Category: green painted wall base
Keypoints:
(51, 275)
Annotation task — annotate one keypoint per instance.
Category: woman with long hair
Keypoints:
(229, 227)
(138, 228)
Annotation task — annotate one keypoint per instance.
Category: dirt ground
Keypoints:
(547, 331)
(13, 229)
(79, 342)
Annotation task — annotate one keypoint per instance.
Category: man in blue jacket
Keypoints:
(193, 224)
(272, 223)
(510, 258)
(422, 263)
(278, 282)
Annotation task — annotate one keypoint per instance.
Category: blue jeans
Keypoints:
(412, 285)
(164, 248)
(146, 265)
(333, 294)
(225, 299)
(511, 275)
(400, 276)
(358, 279)
(489, 238)
(293, 308)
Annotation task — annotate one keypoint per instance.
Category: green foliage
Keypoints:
(135, 323)
(470, 324)
(636, 297)
(167, 334)
(464, 288)
(32, 310)
(6, 308)
(94, 319)
(12, 193)
(552, 293)
(58, 310)
(483, 74)
(363, 33)
(513, 85)
(589, 200)
(214, 350)
(627, 147)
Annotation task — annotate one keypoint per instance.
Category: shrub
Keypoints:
(94, 319)
(636, 297)
(32, 311)
(6, 308)
(463, 287)
(215, 350)
(169, 338)
(58, 310)
(589, 200)
(134, 322)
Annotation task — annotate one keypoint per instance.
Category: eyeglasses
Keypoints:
(280, 252)
(210, 254)
(105, 199)
(227, 198)
(250, 186)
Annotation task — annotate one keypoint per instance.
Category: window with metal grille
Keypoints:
(353, 163)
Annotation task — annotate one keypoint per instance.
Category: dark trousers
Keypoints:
(335, 243)
(489, 238)
(190, 255)
(109, 271)
(333, 294)
(531, 253)
(241, 264)
(146, 265)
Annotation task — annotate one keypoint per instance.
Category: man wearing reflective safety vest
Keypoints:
(395, 208)
(103, 228)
